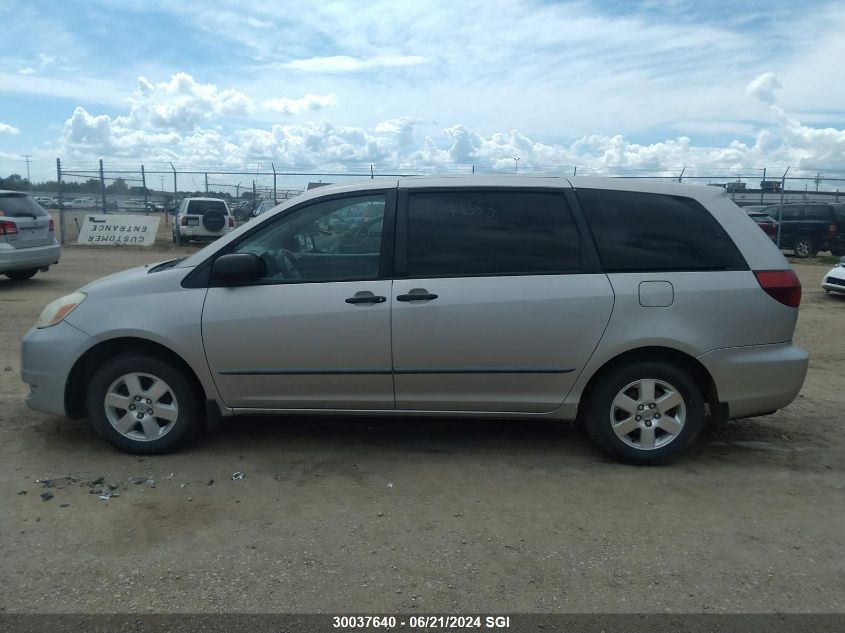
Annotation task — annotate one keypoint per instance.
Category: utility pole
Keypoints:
(762, 185)
(26, 157)
(818, 179)
(516, 164)
(681, 177)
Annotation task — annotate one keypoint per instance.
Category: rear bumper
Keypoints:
(47, 357)
(757, 379)
(31, 257)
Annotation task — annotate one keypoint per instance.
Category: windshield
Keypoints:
(20, 206)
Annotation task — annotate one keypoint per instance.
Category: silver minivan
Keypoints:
(642, 310)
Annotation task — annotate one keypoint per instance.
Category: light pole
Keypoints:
(516, 164)
(762, 183)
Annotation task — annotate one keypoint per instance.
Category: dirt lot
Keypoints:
(428, 516)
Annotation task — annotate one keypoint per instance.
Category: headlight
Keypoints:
(57, 310)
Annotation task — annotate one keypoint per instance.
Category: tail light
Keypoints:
(781, 285)
(831, 230)
(768, 228)
(8, 228)
(52, 226)
(184, 220)
(231, 222)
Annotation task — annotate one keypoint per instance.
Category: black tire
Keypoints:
(600, 407)
(21, 275)
(188, 419)
(805, 247)
(213, 220)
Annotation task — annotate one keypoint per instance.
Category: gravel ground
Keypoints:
(426, 516)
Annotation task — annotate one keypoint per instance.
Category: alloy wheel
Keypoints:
(648, 414)
(141, 407)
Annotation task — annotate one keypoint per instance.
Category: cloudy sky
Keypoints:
(621, 86)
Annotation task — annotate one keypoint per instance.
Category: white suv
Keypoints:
(203, 219)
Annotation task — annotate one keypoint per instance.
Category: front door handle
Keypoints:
(366, 299)
(421, 296)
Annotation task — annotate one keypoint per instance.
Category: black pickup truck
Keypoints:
(810, 227)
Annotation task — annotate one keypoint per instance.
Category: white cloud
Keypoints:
(44, 61)
(347, 64)
(190, 124)
(763, 87)
(309, 102)
(5, 128)
(182, 104)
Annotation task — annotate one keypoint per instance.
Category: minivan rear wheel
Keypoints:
(804, 247)
(143, 405)
(645, 412)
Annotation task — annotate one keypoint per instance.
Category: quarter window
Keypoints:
(465, 233)
(637, 231)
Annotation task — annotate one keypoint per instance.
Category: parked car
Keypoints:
(27, 237)
(81, 203)
(44, 201)
(203, 219)
(810, 227)
(243, 210)
(132, 205)
(765, 222)
(264, 207)
(642, 309)
(834, 280)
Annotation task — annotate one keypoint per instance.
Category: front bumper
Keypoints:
(31, 257)
(47, 357)
(834, 281)
(757, 379)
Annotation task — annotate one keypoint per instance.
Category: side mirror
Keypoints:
(237, 268)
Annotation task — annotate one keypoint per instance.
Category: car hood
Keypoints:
(836, 271)
(135, 281)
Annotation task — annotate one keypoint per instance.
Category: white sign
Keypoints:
(124, 230)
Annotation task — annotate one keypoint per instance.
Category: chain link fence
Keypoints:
(159, 189)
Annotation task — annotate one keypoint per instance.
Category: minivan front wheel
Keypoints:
(804, 247)
(143, 405)
(645, 412)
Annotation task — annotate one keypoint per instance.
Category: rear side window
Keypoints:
(12, 206)
(201, 206)
(466, 233)
(817, 212)
(651, 232)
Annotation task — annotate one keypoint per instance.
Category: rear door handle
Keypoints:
(366, 299)
(417, 297)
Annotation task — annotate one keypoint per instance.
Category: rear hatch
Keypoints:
(24, 222)
(209, 215)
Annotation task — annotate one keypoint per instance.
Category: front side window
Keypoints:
(637, 231)
(333, 240)
(466, 233)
